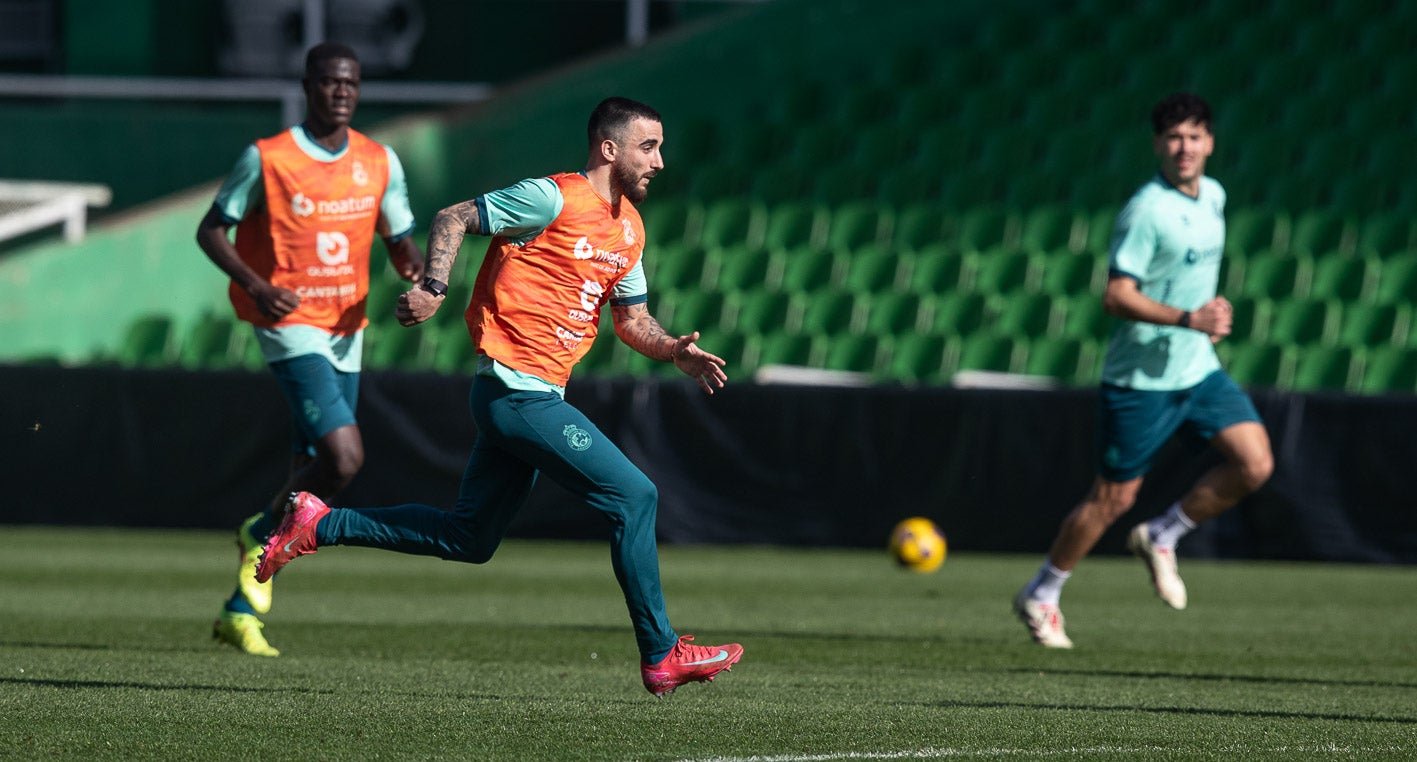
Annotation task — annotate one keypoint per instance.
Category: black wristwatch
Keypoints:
(435, 287)
(1185, 320)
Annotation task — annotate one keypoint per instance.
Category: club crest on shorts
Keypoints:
(577, 437)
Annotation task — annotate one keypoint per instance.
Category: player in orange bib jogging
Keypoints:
(561, 248)
(306, 204)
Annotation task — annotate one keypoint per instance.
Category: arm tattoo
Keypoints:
(445, 238)
(637, 328)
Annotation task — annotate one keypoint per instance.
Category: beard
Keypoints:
(627, 182)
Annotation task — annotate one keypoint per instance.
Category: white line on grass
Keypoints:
(943, 753)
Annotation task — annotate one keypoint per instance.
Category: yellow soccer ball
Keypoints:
(918, 545)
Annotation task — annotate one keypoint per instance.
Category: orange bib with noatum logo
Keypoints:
(536, 307)
(314, 233)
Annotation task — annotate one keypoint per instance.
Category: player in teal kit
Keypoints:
(1161, 374)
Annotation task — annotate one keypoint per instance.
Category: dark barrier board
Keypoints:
(997, 470)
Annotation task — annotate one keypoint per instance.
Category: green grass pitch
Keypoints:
(105, 654)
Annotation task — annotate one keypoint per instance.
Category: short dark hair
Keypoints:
(328, 51)
(610, 118)
(1177, 108)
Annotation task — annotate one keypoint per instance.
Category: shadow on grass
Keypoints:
(1261, 679)
(161, 687)
(1193, 710)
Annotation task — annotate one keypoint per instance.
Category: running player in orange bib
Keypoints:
(562, 247)
(307, 204)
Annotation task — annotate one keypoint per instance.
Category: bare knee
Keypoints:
(340, 456)
(1109, 500)
(1255, 471)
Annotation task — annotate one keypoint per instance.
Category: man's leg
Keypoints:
(327, 452)
(1222, 414)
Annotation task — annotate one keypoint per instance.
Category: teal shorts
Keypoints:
(1133, 424)
(321, 398)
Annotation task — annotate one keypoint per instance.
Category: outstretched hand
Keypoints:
(705, 368)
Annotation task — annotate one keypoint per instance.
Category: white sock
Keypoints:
(1047, 585)
(1168, 528)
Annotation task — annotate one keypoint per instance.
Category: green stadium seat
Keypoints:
(1004, 354)
(806, 269)
(858, 224)
(1160, 72)
(881, 146)
(1398, 281)
(1084, 317)
(740, 268)
(766, 142)
(920, 225)
(865, 104)
(681, 267)
(957, 314)
(804, 101)
(1344, 277)
(838, 183)
(1373, 325)
(1005, 272)
(671, 222)
(1075, 151)
(945, 147)
(1099, 229)
(1303, 322)
(625, 361)
(212, 343)
(1023, 315)
(1065, 273)
(817, 144)
(1277, 276)
(891, 313)
(1385, 234)
(788, 349)
(795, 224)
(733, 222)
(722, 180)
(829, 312)
(732, 346)
(689, 310)
(987, 227)
(939, 269)
(1361, 194)
(1250, 319)
(1255, 230)
(761, 311)
(1295, 195)
(870, 269)
(1052, 228)
(1389, 370)
(1322, 232)
(904, 185)
(1072, 361)
(926, 106)
(148, 342)
(851, 352)
(921, 358)
(1232, 271)
(1263, 366)
(1326, 368)
(1328, 154)
(908, 65)
(781, 183)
